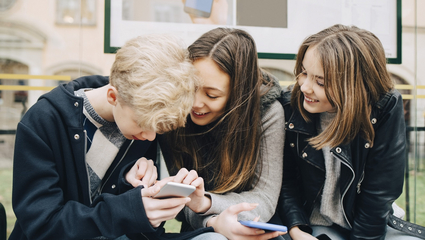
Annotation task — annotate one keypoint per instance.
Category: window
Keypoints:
(76, 12)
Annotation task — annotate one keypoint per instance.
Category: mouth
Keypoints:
(135, 138)
(198, 114)
(310, 99)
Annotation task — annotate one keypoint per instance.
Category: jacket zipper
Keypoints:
(345, 191)
(360, 183)
(85, 162)
(125, 153)
(298, 144)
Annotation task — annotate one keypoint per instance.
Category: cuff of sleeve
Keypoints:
(195, 220)
(139, 213)
(211, 210)
(206, 219)
(123, 185)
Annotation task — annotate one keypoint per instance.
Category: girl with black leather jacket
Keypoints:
(345, 139)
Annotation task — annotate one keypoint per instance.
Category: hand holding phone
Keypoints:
(264, 226)
(173, 189)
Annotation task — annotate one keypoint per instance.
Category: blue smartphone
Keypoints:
(264, 226)
(198, 8)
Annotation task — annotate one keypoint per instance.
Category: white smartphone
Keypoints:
(198, 8)
(172, 189)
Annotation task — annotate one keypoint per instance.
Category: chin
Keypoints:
(199, 122)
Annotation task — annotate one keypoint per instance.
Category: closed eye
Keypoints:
(212, 97)
(304, 72)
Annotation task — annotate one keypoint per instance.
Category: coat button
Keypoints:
(76, 136)
(291, 126)
(338, 150)
(292, 144)
(113, 186)
(367, 145)
(76, 104)
(373, 120)
(304, 155)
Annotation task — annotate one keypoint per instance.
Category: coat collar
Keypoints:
(67, 103)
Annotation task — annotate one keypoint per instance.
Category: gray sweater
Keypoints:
(329, 210)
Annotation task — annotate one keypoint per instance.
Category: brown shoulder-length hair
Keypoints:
(355, 76)
(236, 154)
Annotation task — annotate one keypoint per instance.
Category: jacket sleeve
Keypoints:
(266, 192)
(383, 174)
(45, 209)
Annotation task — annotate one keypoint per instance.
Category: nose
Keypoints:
(307, 85)
(198, 103)
(148, 135)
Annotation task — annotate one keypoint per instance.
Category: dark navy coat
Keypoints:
(50, 183)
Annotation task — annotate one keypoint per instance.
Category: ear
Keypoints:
(112, 95)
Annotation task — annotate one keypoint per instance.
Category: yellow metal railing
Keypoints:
(29, 77)
(68, 78)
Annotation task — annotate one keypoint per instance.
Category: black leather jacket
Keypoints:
(371, 178)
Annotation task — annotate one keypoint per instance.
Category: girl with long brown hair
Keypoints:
(345, 140)
(233, 138)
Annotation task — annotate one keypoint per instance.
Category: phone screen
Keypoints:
(202, 5)
(201, 8)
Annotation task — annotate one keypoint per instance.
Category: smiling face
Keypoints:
(211, 99)
(312, 84)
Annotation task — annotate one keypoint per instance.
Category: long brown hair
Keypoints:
(236, 135)
(355, 74)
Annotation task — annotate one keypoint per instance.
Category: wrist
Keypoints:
(211, 221)
(206, 204)
(294, 232)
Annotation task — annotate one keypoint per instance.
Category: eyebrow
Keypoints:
(213, 88)
(316, 76)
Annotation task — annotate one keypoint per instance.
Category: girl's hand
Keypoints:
(297, 234)
(159, 210)
(227, 224)
(199, 202)
(143, 173)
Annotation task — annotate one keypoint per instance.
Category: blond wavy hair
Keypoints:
(155, 77)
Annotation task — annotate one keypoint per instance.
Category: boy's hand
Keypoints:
(226, 223)
(142, 173)
(159, 210)
(199, 202)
